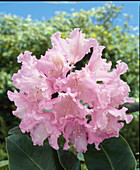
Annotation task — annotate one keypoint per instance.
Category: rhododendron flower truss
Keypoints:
(56, 99)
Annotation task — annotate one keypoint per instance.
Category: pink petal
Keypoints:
(78, 45)
(39, 133)
(75, 130)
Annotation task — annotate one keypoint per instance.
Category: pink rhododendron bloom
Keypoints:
(56, 65)
(55, 99)
(68, 106)
(75, 47)
(76, 129)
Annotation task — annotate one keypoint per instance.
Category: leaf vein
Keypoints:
(26, 154)
(107, 157)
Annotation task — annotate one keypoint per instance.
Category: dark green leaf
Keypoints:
(15, 130)
(68, 160)
(4, 164)
(23, 155)
(115, 154)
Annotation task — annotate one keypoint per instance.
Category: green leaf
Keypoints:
(68, 160)
(115, 154)
(15, 130)
(4, 164)
(23, 155)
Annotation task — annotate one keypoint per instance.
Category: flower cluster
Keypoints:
(49, 101)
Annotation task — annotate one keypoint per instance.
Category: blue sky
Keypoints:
(46, 9)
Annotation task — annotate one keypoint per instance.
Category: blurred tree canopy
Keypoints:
(18, 35)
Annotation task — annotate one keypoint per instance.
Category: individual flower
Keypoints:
(76, 130)
(53, 64)
(75, 47)
(106, 124)
(83, 83)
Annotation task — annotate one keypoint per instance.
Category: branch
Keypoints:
(132, 107)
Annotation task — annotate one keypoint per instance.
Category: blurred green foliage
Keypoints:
(131, 133)
(18, 35)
